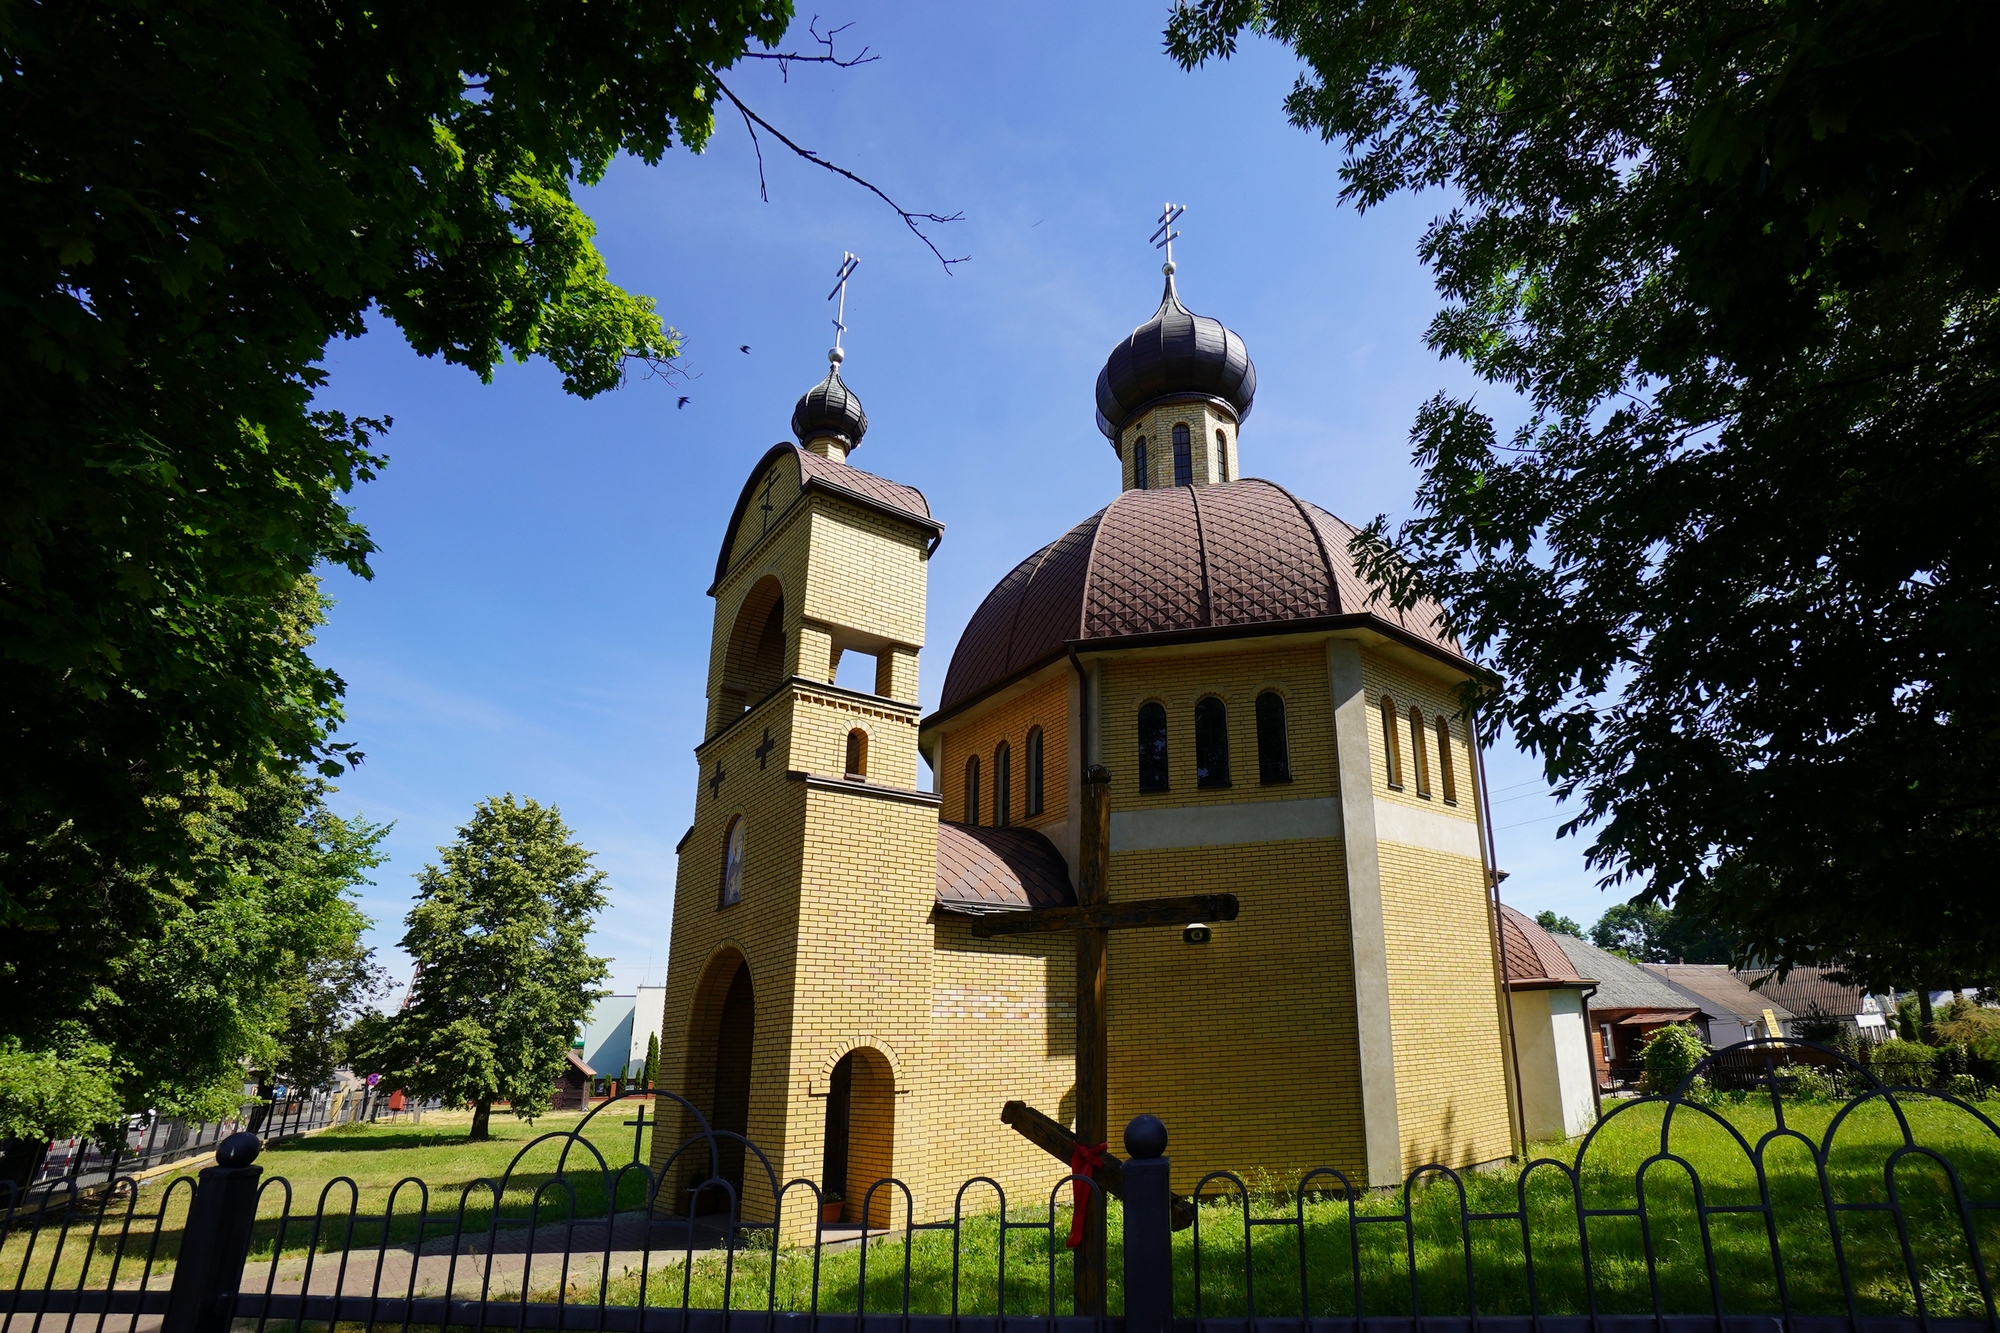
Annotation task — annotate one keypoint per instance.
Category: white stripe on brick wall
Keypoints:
(1224, 825)
(1432, 829)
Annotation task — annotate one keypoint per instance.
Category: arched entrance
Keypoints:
(722, 1040)
(860, 1144)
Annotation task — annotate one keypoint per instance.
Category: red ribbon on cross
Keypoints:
(1083, 1161)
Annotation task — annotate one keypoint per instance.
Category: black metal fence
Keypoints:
(1767, 1205)
(156, 1140)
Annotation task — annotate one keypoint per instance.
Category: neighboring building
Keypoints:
(1551, 1031)
(1272, 727)
(1629, 1004)
(1811, 992)
(572, 1085)
(646, 1014)
(1735, 1012)
(607, 1036)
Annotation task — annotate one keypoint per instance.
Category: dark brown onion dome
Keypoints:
(830, 408)
(1175, 352)
(1185, 562)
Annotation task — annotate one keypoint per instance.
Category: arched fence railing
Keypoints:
(1780, 1186)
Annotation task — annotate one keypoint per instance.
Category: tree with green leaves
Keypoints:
(1558, 925)
(1738, 569)
(201, 197)
(504, 980)
(1649, 933)
(652, 1057)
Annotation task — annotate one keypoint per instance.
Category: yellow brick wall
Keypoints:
(1299, 674)
(1157, 426)
(783, 478)
(866, 573)
(981, 731)
(819, 739)
(1434, 697)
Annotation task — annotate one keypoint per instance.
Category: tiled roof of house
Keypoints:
(1717, 989)
(1534, 959)
(981, 870)
(1175, 561)
(1808, 990)
(1621, 984)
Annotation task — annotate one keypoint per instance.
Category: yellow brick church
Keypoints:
(1272, 729)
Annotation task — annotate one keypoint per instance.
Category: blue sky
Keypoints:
(538, 621)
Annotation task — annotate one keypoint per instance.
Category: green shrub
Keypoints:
(1905, 1063)
(1670, 1055)
(1809, 1083)
(1964, 1087)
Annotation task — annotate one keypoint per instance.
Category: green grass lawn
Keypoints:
(1262, 1276)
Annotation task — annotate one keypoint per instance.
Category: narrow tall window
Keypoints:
(1222, 456)
(1153, 747)
(1274, 754)
(1034, 772)
(1003, 785)
(1420, 753)
(1139, 463)
(1183, 456)
(732, 862)
(1211, 743)
(857, 753)
(1447, 779)
(1392, 746)
(972, 790)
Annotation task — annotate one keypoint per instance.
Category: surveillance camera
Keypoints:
(1195, 933)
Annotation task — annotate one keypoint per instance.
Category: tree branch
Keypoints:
(912, 220)
(786, 59)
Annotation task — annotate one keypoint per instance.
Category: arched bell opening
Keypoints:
(754, 661)
(860, 1144)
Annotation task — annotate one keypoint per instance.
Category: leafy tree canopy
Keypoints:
(199, 197)
(1740, 567)
(1649, 933)
(1558, 925)
(503, 979)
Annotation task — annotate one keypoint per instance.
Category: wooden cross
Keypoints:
(715, 783)
(763, 751)
(1092, 920)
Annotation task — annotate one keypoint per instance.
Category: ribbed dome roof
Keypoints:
(1174, 352)
(830, 408)
(1178, 561)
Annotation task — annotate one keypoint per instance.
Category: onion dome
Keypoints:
(1176, 352)
(830, 410)
(1181, 564)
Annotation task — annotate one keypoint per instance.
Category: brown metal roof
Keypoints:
(981, 870)
(1718, 990)
(1534, 959)
(816, 473)
(1245, 553)
(1808, 991)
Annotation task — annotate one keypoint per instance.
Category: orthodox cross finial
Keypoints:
(848, 263)
(1165, 236)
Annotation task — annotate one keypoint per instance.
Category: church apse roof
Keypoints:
(1186, 561)
(985, 870)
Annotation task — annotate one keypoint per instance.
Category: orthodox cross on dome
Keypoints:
(848, 263)
(1165, 236)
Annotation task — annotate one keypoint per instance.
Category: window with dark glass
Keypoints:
(1420, 753)
(1153, 747)
(1003, 785)
(1033, 775)
(1222, 455)
(1211, 743)
(1392, 749)
(857, 753)
(1274, 755)
(972, 790)
(1447, 779)
(1183, 456)
(1139, 463)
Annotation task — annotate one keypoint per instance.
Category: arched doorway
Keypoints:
(722, 1040)
(860, 1146)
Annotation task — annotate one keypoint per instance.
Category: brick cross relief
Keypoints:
(764, 750)
(769, 482)
(715, 783)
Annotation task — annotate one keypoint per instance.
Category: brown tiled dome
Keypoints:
(981, 870)
(1191, 561)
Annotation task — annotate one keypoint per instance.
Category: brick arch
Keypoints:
(719, 1086)
(834, 1053)
(753, 661)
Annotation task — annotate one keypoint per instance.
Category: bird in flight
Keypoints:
(745, 349)
(682, 403)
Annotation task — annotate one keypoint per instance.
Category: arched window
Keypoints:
(1152, 747)
(732, 862)
(1139, 463)
(1183, 456)
(1392, 748)
(1003, 784)
(1274, 753)
(857, 753)
(972, 790)
(1033, 775)
(1222, 455)
(1446, 778)
(1211, 743)
(1420, 753)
